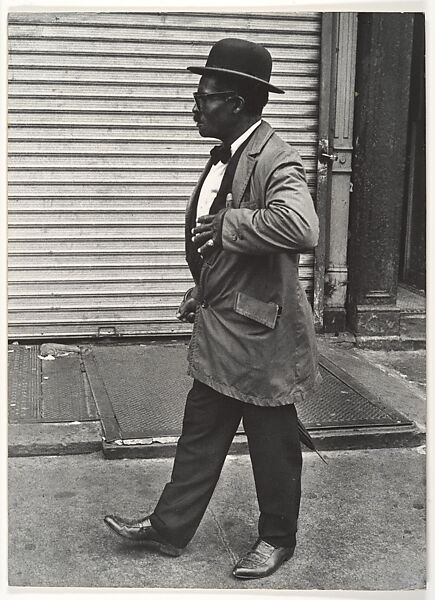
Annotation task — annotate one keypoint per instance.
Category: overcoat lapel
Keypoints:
(247, 161)
(194, 260)
(193, 200)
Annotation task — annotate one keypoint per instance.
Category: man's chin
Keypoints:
(202, 130)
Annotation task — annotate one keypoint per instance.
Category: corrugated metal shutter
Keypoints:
(103, 155)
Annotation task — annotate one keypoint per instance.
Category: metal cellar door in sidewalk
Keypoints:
(103, 155)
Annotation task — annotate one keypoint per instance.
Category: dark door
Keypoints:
(413, 258)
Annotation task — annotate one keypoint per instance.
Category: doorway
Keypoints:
(413, 248)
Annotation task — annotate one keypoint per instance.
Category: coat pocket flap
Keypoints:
(265, 313)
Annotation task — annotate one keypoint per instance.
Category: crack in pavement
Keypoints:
(223, 537)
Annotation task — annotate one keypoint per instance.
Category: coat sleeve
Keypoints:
(288, 221)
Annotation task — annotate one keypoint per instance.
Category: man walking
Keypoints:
(252, 353)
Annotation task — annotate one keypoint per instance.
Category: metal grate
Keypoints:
(338, 405)
(24, 384)
(146, 387)
(140, 392)
(47, 391)
(63, 391)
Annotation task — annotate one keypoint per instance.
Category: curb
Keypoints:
(340, 439)
(50, 439)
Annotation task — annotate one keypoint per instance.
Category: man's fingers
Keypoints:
(206, 248)
(187, 308)
(201, 229)
(202, 238)
(187, 317)
(190, 305)
(205, 219)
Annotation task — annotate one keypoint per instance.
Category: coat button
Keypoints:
(235, 237)
(204, 304)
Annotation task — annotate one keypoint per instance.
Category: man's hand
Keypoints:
(187, 309)
(204, 234)
(207, 234)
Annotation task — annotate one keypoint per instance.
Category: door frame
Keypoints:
(335, 148)
(323, 168)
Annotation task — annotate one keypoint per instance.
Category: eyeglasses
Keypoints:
(201, 98)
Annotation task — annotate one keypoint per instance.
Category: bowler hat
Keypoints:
(247, 60)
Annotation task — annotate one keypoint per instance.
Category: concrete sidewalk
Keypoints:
(361, 526)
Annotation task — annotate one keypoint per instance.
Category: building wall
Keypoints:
(103, 155)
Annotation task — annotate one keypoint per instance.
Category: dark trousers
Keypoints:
(210, 422)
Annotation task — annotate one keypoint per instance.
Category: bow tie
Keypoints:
(220, 153)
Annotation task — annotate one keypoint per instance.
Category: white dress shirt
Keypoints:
(213, 181)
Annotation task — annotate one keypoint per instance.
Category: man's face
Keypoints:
(214, 116)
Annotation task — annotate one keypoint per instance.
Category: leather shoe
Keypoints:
(141, 532)
(262, 560)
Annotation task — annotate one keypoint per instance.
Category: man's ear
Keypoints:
(239, 103)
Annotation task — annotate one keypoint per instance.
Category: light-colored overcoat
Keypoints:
(253, 336)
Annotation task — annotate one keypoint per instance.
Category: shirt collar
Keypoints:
(239, 141)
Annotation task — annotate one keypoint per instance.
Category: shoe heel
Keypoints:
(170, 550)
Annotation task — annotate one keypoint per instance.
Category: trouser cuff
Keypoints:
(175, 540)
